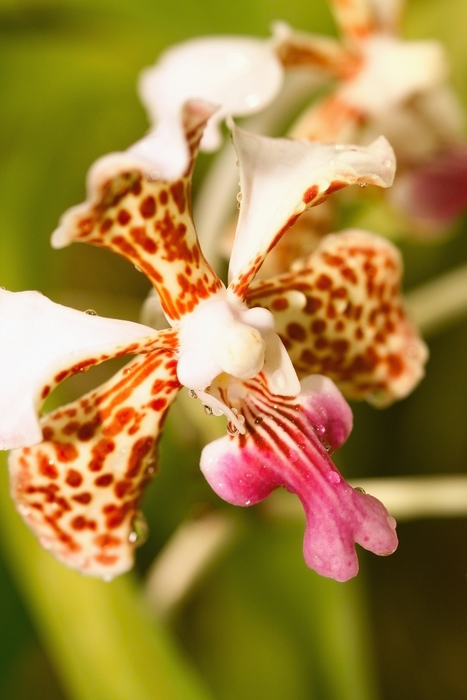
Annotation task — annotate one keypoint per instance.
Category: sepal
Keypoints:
(43, 343)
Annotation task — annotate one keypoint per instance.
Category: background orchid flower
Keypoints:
(239, 75)
(80, 488)
(386, 85)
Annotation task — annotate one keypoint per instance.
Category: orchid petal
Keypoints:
(340, 313)
(240, 75)
(436, 192)
(392, 72)
(322, 54)
(359, 18)
(41, 344)
(286, 443)
(354, 18)
(79, 490)
(281, 178)
(133, 211)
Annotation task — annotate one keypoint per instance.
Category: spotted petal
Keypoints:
(132, 210)
(281, 178)
(79, 490)
(41, 344)
(286, 443)
(359, 18)
(340, 313)
(325, 55)
(240, 75)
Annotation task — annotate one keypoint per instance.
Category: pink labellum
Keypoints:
(340, 313)
(43, 343)
(281, 178)
(80, 489)
(287, 443)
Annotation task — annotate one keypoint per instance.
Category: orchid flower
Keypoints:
(386, 85)
(79, 473)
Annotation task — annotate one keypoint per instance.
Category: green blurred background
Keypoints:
(260, 625)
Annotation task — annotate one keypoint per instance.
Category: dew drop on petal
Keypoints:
(192, 394)
(334, 477)
(139, 530)
(208, 410)
(320, 429)
(279, 380)
(359, 489)
(90, 312)
(363, 184)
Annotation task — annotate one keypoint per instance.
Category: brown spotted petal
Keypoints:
(321, 54)
(43, 343)
(132, 210)
(79, 490)
(340, 313)
(281, 178)
(359, 18)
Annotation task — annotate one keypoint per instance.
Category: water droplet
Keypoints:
(192, 394)
(137, 268)
(363, 184)
(90, 312)
(239, 197)
(328, 448)
(237, 163)
(247, 503)
(335, 563)
(154, 175)
(258, 420)
(359, 489)
(208, 410)
(279, 380)
(139, 530)
(320, 429)
(334, 477)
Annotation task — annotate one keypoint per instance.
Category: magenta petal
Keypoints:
(286, 444)
(436, 192)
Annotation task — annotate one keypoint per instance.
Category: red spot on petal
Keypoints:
(73, 478)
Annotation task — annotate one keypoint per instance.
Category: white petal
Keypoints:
(239, 74)
(394, 71)
(39, 340)
(277, 177)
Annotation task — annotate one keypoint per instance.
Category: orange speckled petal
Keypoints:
(80, 489)
(323, 55)
(132, 210)
(354, 17)
(340, 313)
(281, 178)
(43, 343)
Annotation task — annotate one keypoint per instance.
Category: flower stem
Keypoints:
(439, 303)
